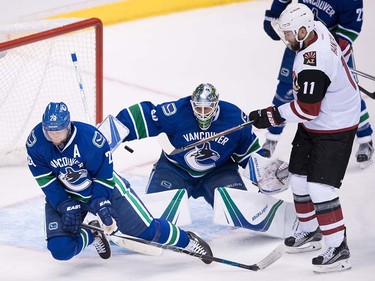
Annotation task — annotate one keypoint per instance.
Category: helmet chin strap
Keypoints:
(300, 41)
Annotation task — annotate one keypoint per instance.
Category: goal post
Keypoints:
(43, 61)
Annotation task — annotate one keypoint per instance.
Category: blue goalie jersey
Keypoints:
(177, 120)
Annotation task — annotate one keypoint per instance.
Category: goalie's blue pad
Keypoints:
(114, 131)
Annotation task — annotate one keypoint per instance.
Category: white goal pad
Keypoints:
(37, 67)
(172, 205)
(261, 214)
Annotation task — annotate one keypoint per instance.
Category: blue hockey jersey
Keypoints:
(177, 120)
(82, 169)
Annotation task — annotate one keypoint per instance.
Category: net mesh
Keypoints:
(39, 72)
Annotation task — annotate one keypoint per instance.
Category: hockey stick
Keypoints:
(225, 132)
(365, 75)
(267, 261)
(367, 93)
(83, 95)
(79, 80)
(360, 73)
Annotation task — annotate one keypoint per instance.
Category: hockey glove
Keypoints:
(270, 176)
(265, 118)
(71, 218)
(103, 207)
(269, 17)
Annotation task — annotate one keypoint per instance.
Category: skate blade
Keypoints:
(364, 165)
(335, 267)
(308, 247)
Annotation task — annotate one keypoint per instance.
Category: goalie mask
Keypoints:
(56, 122)
(205, 104)
(291, 20)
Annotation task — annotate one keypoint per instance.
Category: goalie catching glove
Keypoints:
(270, 176)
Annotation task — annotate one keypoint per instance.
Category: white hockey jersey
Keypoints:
(326, 95)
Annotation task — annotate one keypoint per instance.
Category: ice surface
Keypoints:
(162, 59)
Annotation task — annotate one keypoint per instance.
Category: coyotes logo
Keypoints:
(309, 58)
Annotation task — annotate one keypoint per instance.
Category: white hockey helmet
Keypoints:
(293, 18)
(205, 103)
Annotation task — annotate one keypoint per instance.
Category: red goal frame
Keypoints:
(91, 22)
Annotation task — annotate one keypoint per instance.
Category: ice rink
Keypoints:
(165, 58)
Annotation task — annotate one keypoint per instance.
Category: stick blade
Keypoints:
(367, 93)
(272, 257)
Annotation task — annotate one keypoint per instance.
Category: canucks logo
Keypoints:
(202, 159)
(31, 140)
(169, 109)
(75, 179)
(73, 176)
(98, 140)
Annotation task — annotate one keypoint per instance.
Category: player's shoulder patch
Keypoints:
(31, 139)
(169, 109)
(309, 58)
(98, 140)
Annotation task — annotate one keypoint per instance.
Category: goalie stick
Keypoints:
(171, 150)
(264, 263)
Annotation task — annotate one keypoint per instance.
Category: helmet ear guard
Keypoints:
(205, 102)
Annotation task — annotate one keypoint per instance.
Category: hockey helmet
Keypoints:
(56, 117)
(292, 19)
(205, 104)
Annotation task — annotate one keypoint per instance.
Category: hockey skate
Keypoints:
(364, 154)
(333, 259)
(100, 243)
(303, 241)
(199, 246)
(269, 147)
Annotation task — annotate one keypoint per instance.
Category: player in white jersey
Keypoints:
(327, 110)
(344, 19)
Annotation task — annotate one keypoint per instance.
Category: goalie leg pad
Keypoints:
(254, 211)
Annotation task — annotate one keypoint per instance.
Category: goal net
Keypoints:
(42, 62)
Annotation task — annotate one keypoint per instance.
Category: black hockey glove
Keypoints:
(265, 118)
(269, 16)
(103, 207)
(71, 218)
